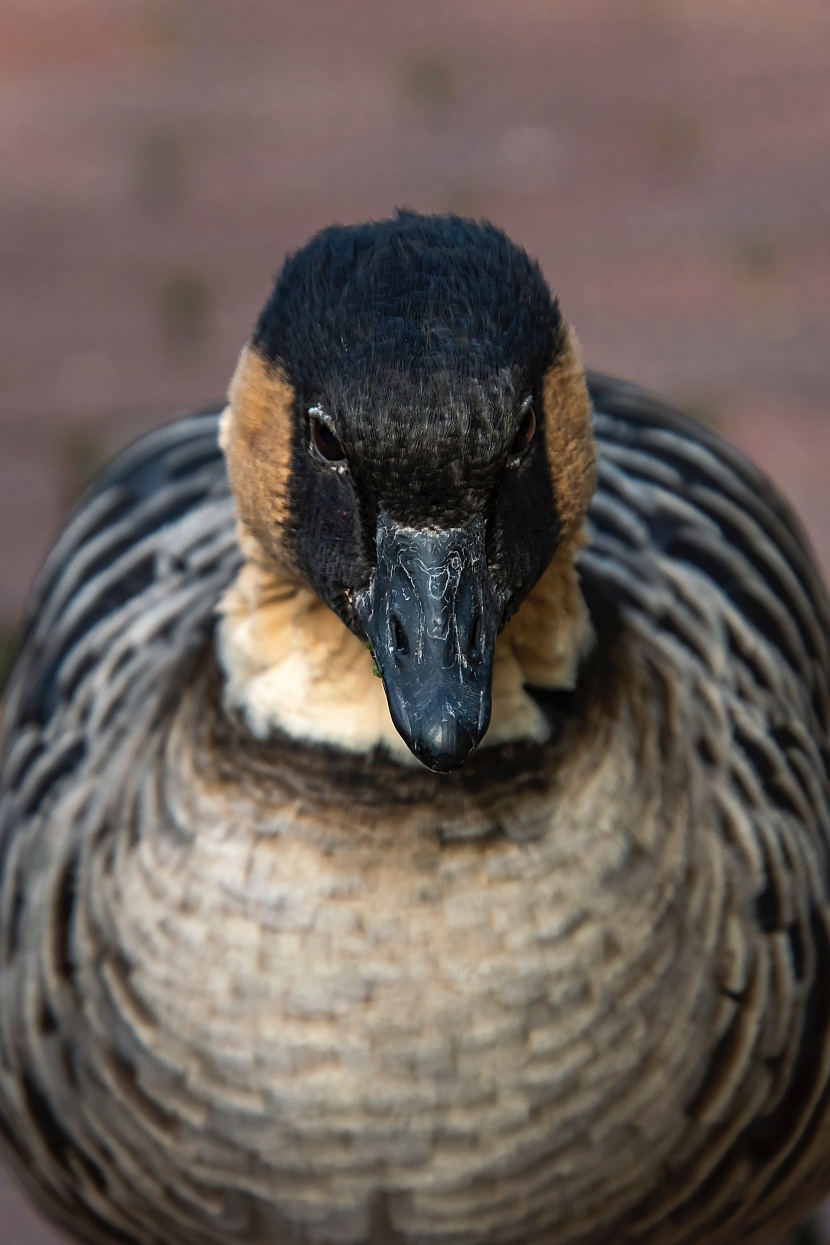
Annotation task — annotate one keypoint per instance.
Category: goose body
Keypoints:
(264, 977)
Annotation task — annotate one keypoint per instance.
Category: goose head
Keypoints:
(408, 434)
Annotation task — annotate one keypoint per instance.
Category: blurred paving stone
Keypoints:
(19, 1223)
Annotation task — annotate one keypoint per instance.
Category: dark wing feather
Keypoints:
(154, 535)
(708, 566)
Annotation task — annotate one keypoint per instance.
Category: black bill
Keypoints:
(432, 617)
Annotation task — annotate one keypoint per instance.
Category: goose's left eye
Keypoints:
(526, 430)
(324, 440)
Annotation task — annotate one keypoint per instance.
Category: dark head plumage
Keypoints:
(412, 360)
(408, 297)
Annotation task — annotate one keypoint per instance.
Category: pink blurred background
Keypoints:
(668, 161)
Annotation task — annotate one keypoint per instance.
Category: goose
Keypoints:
(415, 811)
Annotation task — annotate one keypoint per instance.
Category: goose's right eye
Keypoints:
(526, 430)
(323, 439)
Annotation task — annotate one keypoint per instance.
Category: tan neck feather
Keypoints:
(292, 666)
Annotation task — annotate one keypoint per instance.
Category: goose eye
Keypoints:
(324, 440)
(526, 431)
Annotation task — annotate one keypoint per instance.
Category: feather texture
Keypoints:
(576, 992)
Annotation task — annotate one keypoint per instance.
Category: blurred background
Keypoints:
(668, 161)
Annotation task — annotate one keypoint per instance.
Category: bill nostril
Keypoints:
(399, 637)
(474, 643)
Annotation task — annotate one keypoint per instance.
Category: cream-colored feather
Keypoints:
(292, 667)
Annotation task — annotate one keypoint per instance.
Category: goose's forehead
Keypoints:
(442, 408)
(438, 358)
(411, 296)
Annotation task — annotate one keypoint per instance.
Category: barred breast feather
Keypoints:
(576, 992)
